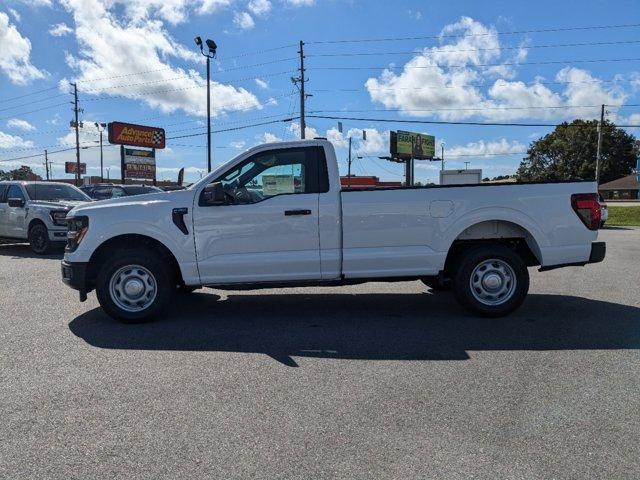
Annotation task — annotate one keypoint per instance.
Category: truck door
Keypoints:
(14, 217)
(267, 230)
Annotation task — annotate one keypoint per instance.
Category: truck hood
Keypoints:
(180, 198)
(57, 204)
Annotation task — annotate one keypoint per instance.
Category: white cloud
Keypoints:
(60, 29)
(16, 16)
(38, 3)
(309, 132)
(20, 124)
(243, 20)
(211, 6)
(268, 137)
(447, 82)
(377, 142)
(300, 3)
(144, 47)
(239, 145)
(484, 148)
(15, 53)
(259, 7)
(13, 141)
(262, 83)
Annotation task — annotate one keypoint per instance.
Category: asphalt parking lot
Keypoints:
(371, 381)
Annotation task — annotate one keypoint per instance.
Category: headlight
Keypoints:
(59, 217)
(77, 229)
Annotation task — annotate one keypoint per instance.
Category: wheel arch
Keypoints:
(128, 240)
(504, 231)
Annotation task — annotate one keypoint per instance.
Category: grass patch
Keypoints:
(629, 216)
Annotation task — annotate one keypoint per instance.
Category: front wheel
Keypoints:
(39, 239)
(491, 280)
(134, 286)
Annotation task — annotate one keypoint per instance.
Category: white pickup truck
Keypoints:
(276, 216)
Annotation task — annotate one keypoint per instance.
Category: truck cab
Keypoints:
(277, 215)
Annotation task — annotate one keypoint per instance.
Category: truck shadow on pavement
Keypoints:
(366, 327)
(22, 250)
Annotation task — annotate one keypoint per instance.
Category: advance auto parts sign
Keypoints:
(136, 135)
(139, 164)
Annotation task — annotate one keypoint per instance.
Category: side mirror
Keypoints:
(213, 195)
(16, 202)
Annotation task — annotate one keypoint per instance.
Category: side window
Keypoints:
(275, 172)
(15, 192)
(3, 191)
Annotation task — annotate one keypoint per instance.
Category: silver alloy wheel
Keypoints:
(493, 282)
(133, 288)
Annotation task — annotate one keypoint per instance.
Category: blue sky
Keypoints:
(135, 61)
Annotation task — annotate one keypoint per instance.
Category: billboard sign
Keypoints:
(136, 135)
(139, 164)
(71, 167)
(412, 145)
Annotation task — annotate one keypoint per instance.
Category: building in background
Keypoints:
(460, 177)
(625, 188)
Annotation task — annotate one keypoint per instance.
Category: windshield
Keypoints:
(49, 192)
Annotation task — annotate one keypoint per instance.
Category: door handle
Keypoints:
(297, 212)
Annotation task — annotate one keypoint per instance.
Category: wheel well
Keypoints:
(35, 221)
(495, 232)
(125, 242)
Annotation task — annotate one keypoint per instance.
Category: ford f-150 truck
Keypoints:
(276, 216)
(36, 212)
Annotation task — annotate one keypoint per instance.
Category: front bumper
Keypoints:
(57, 235)
(74, 274)
(598, 252)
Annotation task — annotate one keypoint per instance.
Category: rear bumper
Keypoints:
(598, 252)
(74, 274)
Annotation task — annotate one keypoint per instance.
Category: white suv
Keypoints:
(36, 211)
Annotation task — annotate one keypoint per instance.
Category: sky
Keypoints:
(463, 61)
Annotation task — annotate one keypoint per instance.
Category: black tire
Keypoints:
(514, 280)
(435, 285)
(39, 239)
(160, 274)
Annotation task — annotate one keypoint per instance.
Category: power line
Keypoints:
(234, 128)
(32, 111)
(447, 50)
(30, 94)
(470, 84)
(515, 32)
(443, 122)
(506, 64)
(499, 108)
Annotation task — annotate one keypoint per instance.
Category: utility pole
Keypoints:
(303, 123)
(46, 164)
(213, 48)
(599, 154)
(349, 166)
(442, 156)
(76, 110)
(466, 165)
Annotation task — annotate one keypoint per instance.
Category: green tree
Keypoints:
(569, 152)
(22, 173)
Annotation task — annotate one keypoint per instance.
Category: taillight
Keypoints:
(587, 207)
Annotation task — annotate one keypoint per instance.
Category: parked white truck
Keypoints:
(276, 216)
(36, 212)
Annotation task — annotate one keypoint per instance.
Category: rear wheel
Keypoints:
(39, 239)
(491, 280)
(134, 286)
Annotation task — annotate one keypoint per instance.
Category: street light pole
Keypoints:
(212, 53)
